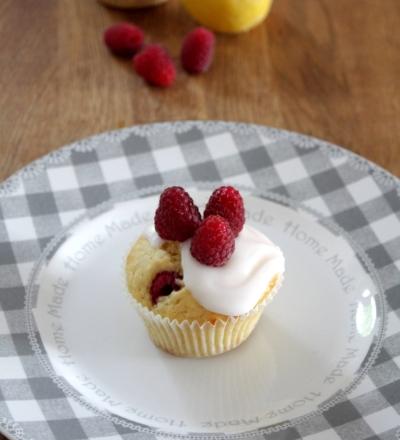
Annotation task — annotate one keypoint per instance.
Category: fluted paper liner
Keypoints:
(192, 339)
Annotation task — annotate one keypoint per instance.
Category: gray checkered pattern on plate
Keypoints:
(44, 197)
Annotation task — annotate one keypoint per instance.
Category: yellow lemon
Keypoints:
(229, 16)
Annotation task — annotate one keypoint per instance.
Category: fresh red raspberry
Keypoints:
(124, 39)
(177, 217)
(163, 284)
(197, 50)
(227, 202)
(213, 242)
(155, 65)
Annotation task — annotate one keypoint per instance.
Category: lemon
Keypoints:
(229, 16)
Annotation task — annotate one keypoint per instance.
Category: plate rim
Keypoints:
(90, 143)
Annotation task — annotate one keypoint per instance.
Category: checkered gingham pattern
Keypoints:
(46, 196)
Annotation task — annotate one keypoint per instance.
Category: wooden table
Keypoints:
(323, 67)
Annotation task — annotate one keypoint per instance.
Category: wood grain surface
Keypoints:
(322, 67)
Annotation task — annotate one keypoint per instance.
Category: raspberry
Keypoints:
(197, 50)
(124, 39)
(227, 202)
(213, 242)
(155, 65)
(163, 284)
(177, 217)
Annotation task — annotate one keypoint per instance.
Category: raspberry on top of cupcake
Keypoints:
(213, 240)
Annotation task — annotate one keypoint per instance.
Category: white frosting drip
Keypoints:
(152, 236)
(234, 289)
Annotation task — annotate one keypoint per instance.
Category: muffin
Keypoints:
(201, 285)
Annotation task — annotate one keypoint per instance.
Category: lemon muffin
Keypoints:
(202, 288)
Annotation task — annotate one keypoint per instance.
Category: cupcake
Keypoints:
(201, 284)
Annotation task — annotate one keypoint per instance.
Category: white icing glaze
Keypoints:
(234, 289)
(152, 236)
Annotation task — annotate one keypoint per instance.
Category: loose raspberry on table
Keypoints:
(155, 65)
(213, 243)
(163, 284)
(124, 39)
(227, 202)
(177, 217)
(198, 50)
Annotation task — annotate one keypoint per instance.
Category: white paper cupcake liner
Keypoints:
(192, 339)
